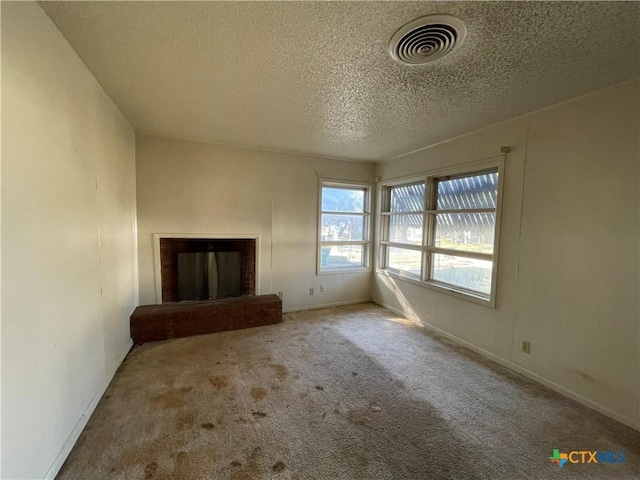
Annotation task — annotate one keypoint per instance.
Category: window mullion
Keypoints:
(461, 253)
(361, 214)
(429, 227)
(404, 246)
(463, 210)
(338, 243)
(400, 214)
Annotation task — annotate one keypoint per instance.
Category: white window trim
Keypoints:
(368, 223)
(460, 169)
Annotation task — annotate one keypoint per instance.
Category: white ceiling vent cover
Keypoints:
(427, 39)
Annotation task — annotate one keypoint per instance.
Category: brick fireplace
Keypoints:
(172, 318)
(170, 247)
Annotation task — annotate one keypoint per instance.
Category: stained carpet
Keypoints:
(344, 393)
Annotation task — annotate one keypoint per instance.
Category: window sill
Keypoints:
(449, 290)
(345, 270)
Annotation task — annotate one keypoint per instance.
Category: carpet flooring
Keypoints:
(343, 393)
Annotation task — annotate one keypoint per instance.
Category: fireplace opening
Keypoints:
(208, 275)
(206, 269)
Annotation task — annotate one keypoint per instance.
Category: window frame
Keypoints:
(366, 230)
(429, 212)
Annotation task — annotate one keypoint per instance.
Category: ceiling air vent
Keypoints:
(427, 39)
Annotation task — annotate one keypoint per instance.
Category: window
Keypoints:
(441, 229)
(343, 227)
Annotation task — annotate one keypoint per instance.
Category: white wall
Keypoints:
(63, 241)
(569, 261)
(189, 187)
(570, 223)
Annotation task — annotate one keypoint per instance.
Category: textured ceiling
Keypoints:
(315, 77)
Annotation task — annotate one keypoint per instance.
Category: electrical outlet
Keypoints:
(526, 346)
(281, 294)
(321, 288)
(311, 291)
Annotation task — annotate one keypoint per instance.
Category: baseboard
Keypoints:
(329, 305)
(521, 370)
(77, 430)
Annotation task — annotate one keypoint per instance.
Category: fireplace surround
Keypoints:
(170, 318)
(167, 247)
